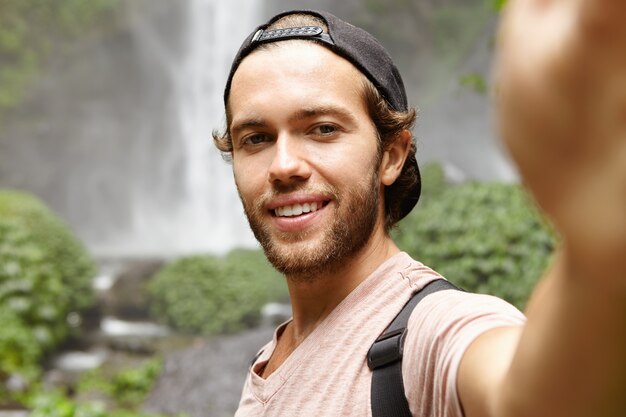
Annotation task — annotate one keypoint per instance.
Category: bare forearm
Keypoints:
(562, 98)
(571, 358)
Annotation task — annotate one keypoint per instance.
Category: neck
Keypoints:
(314, 298)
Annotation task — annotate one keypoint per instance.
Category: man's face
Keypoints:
(305, 156)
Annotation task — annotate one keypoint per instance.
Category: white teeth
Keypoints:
(295, 209)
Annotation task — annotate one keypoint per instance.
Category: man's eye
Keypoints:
(256, 139)
(325, 129)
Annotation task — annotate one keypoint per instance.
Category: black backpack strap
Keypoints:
(385, 359)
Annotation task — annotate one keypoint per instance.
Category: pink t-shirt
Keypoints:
(327, 375)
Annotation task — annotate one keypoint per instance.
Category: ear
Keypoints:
(394, 157)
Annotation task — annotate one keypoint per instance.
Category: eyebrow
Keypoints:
(303, 114)
(248, 123)
(311, 112)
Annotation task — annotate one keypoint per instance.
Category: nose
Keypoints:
(289, 163)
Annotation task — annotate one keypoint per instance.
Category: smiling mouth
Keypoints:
(298, 209)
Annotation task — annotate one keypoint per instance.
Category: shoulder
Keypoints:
(451, 319)
(447, 305)
(441, 328)
(414, 272)
(464, 307)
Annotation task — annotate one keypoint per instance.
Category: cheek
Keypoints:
(247, 179)
(344, 160)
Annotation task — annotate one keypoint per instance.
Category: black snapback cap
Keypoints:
(354, 44)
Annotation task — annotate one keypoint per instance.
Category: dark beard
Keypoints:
(357, 214)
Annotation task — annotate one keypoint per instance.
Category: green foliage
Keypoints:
(57, 404)
(128, 388)
(206, 294)
(45, 274)
(19, 349)
(484, 237)
(27, 31)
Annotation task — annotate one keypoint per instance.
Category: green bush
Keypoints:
(484, 237)
(206, 294)
(131, 386)
(57, 404)
(124, 389)
(19, 349)
(45, 274)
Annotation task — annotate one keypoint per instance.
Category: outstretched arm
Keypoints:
(562, 110)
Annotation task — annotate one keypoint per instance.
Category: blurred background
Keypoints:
(107, 107)
(130, 285)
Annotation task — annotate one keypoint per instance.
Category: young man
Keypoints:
(318, 129)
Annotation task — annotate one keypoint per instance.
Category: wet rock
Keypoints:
(125, 295)
(16, 383)
(79, 361)
(114, 327)
(140, 337)
(206, 379)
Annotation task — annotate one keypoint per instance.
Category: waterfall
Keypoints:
(210, 187)
(192, 205)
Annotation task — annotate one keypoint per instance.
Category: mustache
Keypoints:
(263, 200)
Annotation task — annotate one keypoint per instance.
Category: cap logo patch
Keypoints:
(289, 33)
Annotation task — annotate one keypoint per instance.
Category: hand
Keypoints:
(561, 94)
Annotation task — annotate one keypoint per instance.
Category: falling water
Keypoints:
(201, 92)
(204, 212)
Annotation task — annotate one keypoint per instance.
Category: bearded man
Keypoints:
(318, 130)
